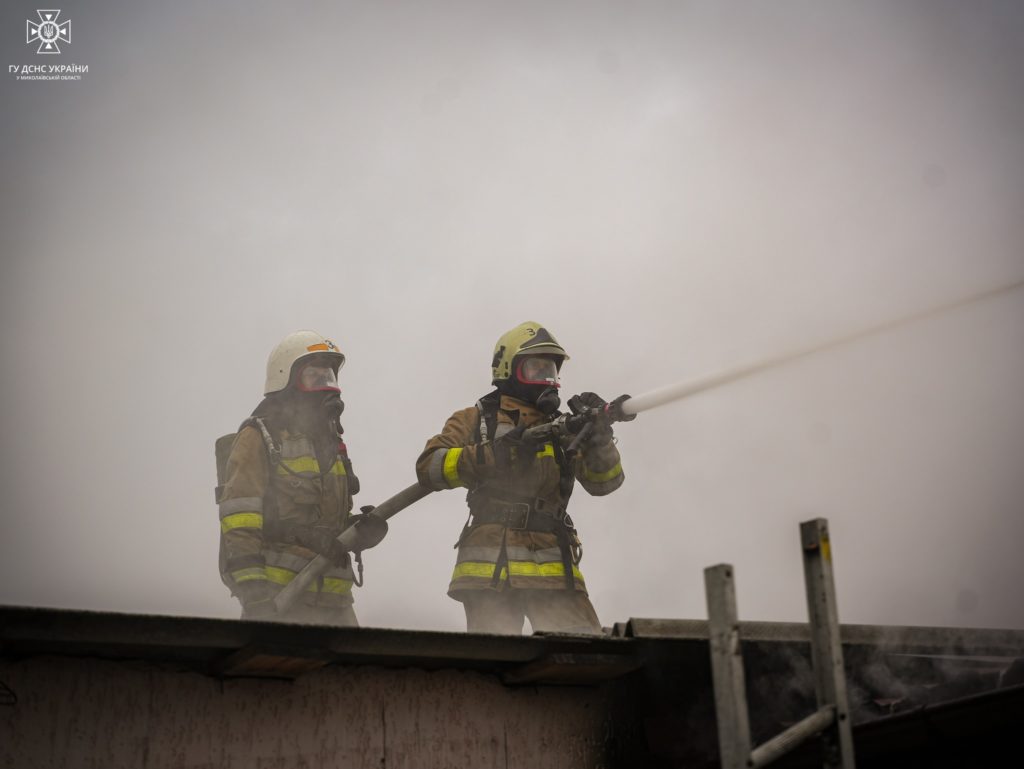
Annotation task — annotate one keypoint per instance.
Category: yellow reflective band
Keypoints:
(335, 585)
(451, 468)
(281, 576)
(519, 569)
(241, 521)
(547, 451)
(602, 477)
(477, 569)
(308, 464)
(533, 569)
(245, 575)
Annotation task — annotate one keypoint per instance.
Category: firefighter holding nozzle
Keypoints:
(519, 552)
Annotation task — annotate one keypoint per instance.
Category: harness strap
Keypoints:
(502, 562)
(487, 425)
(526, 516)
(272, 450)
(566, 479)
(358, 581)
(567, 564)
(479, 432)
(533, 515)
(522, 516)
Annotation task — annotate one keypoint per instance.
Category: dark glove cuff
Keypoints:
(337, 554)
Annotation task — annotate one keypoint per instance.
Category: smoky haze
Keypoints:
(671, 188)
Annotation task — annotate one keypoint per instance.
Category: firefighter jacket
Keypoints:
(264, 507)
(513, 503)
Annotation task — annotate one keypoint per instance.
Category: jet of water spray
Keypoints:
(681, 390)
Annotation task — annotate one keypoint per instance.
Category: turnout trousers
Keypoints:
(503, 611)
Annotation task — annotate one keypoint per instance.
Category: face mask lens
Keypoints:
(318, 378)
(538, 371)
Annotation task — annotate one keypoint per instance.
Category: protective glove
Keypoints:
(324, 542)
(589, 400)
(370, 529)
(595, 401)
(601, 433)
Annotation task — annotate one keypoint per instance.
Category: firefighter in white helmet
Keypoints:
(287, 489)
(519, 553)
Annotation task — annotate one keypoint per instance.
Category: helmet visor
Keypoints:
(316, 377)
(536, 370)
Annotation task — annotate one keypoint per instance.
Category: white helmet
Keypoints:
(293, 348)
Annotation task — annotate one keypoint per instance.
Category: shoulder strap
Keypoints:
(273, 451)
(479, 432)
(223, 450)
(353, 480)
(270, 519)
(566, 480)
(488, 408)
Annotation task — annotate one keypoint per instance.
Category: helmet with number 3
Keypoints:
(524, 342)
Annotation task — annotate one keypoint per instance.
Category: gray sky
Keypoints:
(672, 188)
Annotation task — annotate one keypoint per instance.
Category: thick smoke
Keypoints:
(674, 189)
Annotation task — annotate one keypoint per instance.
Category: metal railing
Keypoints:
(832, 719)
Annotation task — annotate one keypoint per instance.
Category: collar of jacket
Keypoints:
(527, 413)
(293, 434)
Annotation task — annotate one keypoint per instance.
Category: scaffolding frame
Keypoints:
(832, 718)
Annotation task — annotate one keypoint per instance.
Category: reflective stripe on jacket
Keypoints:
(256, 551)
(451, 460)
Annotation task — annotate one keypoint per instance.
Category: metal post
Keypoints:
(727, 668)
(826, 649)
